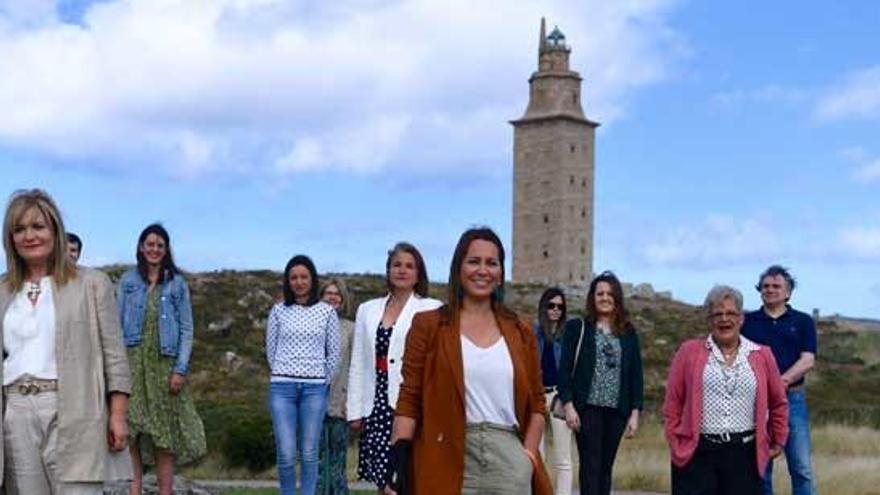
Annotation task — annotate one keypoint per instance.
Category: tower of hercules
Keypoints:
(553, 163)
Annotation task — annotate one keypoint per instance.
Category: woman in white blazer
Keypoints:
(374, 377)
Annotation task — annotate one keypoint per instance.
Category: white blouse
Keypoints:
(729, 391)
(488, 383)
(29, 336)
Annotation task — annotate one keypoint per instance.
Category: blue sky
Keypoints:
(734, 134)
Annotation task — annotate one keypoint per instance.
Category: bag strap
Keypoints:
(577, 351)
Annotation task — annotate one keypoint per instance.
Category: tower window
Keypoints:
(574, 98)
(571, 180)
(583, 182)
(546, 218)
(546, 254)
(583, 213)
(571, 148)
(583, 250)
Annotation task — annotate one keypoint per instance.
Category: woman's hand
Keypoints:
(356, 425)
(775, 451)
(632, 426)
(176, 383)
(571, 417)
(117, 425)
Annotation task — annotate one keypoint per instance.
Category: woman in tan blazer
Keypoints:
(65, 375)
(471, 404)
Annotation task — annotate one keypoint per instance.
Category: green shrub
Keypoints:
(249, 443)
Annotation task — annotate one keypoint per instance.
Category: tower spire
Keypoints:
(542, 42)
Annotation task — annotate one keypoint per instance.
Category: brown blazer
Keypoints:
(432, 393)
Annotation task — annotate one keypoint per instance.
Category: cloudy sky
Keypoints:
(734, 134)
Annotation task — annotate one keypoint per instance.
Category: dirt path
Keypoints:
(354, 486)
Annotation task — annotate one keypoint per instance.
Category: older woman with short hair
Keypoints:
(726, 411)
(49, 304)
(332, 475)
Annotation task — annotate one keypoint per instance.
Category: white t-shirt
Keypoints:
(488, 383)
(29, 336)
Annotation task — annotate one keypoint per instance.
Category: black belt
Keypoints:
(739, 437)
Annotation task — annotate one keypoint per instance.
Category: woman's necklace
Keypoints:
(33, 291)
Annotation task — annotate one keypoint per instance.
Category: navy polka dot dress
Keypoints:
(374, 448)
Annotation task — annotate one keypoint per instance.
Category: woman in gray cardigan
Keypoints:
(65, 375)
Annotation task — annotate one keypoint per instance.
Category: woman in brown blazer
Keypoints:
(471, 404)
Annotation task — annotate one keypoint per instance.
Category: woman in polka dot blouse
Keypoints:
(725, 408)
(303, 350)
(381, 327)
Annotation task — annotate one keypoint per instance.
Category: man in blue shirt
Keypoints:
(791, 335)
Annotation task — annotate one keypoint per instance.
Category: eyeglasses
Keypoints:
(725, 315)
(610, 355)
(553, 305)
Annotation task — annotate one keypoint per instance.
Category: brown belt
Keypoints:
(30, 386)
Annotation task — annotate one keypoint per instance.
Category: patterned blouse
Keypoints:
(605, 388)
(729, 391)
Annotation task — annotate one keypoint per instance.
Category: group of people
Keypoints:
(447, 397)
(94, 378)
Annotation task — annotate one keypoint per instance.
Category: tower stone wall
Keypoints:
(553, 169)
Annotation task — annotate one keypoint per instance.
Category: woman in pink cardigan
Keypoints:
(726, 411)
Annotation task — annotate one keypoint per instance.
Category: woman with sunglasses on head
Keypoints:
(548, 331)
(157, 326)
(303, 350)
(65, 377)
(600, 381)
(471, 407)
(381, 326)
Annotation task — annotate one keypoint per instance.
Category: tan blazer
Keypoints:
(433, 394)
(91, 363)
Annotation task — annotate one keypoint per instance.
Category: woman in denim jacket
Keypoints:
(157, 327)
(548, 332)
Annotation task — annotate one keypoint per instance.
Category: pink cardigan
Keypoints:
(683, 406)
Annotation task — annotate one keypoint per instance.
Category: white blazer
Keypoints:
(362, 372)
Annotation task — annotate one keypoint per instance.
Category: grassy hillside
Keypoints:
(229, 375)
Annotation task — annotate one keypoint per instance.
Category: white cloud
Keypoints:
(860, 242)
(771, 93)
(867, 169)
(857, 96)
(718, 240)
(271, 86)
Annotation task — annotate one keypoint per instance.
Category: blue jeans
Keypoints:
(797, 449)
(296, 407)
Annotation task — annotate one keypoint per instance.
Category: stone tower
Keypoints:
(553, 163)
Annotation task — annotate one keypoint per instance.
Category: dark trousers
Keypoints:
(597, 442)
(719, 469)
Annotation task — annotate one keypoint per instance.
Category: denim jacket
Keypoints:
(175, 316)
(557, 343)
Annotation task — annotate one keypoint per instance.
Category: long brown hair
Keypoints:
(60, 268)
(455, 293)
(543, 321)
(620, 322)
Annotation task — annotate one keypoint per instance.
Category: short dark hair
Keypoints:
(454, 289)
(774, 270)
(73, 238)
(300, 259)
(168, 268)
(421, 287)
(543, 321)
(620, 322)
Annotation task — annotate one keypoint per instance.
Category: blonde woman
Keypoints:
(48, 303)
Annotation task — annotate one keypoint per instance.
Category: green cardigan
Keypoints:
(577, 389)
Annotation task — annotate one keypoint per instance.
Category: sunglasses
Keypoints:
(553, 305)
(610, 355)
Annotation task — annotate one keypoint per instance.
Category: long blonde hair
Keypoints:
(60, 268)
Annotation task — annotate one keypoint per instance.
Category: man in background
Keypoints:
(791, 335)
(74, 247)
